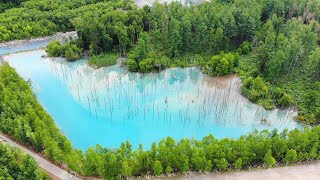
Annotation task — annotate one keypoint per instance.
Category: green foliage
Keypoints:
(286, 56)
(54, 49)
(132, 65)
(16, 165)
(245, 47)
(168, 170)
(126, 170)
(238, 164)
(35, 18)
(185, 166)
(268, 159)
(262, 93)
(278, 42)
(72, 52)
(291, 156)
(221, 64)
(286, 100)
(8, 4)
(29, 123)
(68, 50)
(222, 164)
(199, 162)
(102, 60)
(141, 49)
(157, 168)
(146, 65)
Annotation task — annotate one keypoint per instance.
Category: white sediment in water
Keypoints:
(110, 105)
(36, 43)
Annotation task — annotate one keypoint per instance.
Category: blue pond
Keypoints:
(108, 106)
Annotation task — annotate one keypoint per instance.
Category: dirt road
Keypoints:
(298, 172)
(54, 171)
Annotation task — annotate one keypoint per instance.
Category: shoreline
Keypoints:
(20, 43)
(218, 81)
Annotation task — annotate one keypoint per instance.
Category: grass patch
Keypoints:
(102, 60)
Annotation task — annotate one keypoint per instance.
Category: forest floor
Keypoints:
(303, 171)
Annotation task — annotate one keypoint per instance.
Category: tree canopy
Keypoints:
(16, 165)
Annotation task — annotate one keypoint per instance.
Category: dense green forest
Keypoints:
(16, 165)
(35, 18)
(273, 45)
(23, 118)
(8, 4)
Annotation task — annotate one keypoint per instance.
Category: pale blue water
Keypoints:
(109, 105)
(24, 47)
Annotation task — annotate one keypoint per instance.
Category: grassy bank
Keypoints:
(102, 60)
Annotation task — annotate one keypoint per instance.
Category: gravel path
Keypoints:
(298, 172)
(54, 171)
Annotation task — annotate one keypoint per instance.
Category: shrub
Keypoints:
(54, 49)
(268, 159)
(185, 166)
(254, 95)
(278, 93)
(132, 65)
(286, 100)
(126, 170)
(168, 170)
(103, 60)
(238, 164)
(222, 164)
(68, 50)
(72, 52)
(291, 156)
(157, 168)
(146, 65)
(221, 64)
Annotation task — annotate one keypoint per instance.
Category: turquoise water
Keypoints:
(109, 105)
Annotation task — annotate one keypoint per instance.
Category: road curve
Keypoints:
(52, 169)
(298, 172)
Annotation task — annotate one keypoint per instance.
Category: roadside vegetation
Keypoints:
(14, 164)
